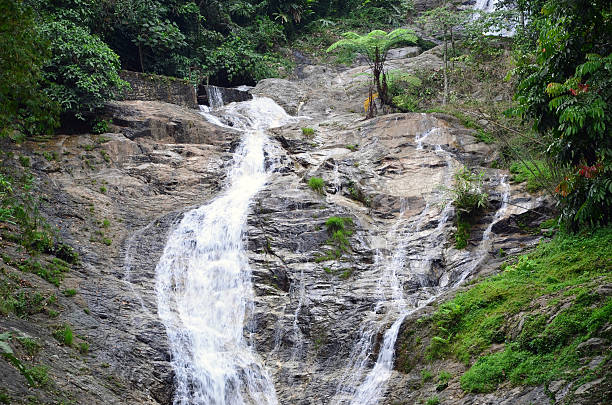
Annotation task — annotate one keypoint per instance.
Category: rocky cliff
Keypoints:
(320, 315)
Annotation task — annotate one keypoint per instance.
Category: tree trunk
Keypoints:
(453, 47)
(140, 57)
(445, 68)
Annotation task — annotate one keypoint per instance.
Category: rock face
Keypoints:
(318, 320)
(228, 95)
(149, 87)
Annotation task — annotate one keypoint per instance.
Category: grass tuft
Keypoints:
(317, 184)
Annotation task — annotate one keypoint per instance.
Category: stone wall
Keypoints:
(149, 87)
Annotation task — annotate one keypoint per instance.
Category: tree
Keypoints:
(82, 71)
(566, 89)
(442, 21)
(375, 46)
(24, 107)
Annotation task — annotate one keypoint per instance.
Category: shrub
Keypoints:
(101, 127)
(70, 293)
(433, 401)
(536, 173)
(406, 102)
(64, 335)
(336, 224)
(317, 184)
(468, 194)
(25, 108)
(82, 72)
(84, 348)
(308, 131)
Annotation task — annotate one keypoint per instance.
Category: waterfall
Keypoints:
(373, 386)
(489, 6)
(485, 5)
(215, 98)
(203, 285)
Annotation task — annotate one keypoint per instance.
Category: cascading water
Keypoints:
(215, 98)
(485, 5)
(204, 289)
(372, 387)
(489, 6)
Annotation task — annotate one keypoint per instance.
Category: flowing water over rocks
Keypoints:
(204, 286)
(217, 289)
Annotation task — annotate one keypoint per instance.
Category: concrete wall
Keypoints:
(151, 87)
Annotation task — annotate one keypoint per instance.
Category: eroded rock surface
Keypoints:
(387, 174)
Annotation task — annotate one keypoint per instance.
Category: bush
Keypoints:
(468, 194)
(25, 108)
(82, 72)
(317, 184)
(565, 89)
(101, 127)
(406, 102)
(536, 173)
(308, 131)
(64, 335)
(338, 224)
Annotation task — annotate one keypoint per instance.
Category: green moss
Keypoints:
(103, 189)
(570, 266)
(70, 293)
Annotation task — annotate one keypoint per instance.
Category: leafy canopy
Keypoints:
(82, 72)
(566, 89)
(376, 42)
(24, 108)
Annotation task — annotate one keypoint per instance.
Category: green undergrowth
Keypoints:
(339, 230)
(29, 244)
(534, 173)
(553, 290)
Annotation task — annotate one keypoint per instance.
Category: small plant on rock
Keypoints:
(317, 184)
(308, 131)
(469, 199)
(64, 335)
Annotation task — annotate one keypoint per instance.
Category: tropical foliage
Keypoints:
(375, 46)
(566, 89)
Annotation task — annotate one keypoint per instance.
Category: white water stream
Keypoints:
(204, 290)
(354, 388)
